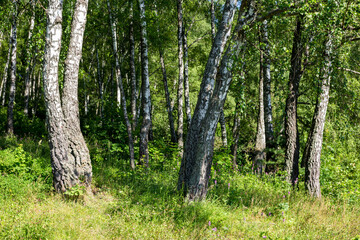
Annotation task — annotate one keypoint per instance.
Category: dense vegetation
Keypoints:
(251, 188)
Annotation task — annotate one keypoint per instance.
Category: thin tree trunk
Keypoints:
(313, 148)
(10, 110)
(119, 81)
(62, 168)
(6, 71)
(29, 63)
(132, 68)
(100, 84)
(146, 98)
(291, 128)
(186, 80)
(77, 149)
(206, 90)
(223, 127)
(180, 93)
(269, 132)
(167, 97)
(260, 143)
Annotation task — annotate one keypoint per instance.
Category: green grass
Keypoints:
(146, 205)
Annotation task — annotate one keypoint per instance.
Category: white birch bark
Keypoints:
(64, 176)
(78, 152)
(145, 88)
(10, 110)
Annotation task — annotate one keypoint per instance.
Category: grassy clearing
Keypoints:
(144, 205)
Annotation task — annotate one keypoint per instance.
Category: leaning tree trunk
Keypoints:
(291, 128)
(260, 142)
(10, 110)
(5, 77)
(205, 93)
(29, 63)
(269, 131)
(145, 88)
(63, 169)
(180, 93)
(222, 115)
(314, 143)
(119, 81)
(78, 152)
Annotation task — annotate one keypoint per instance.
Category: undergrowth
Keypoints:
(146, 204)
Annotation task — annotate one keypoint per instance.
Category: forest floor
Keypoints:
(146, 205)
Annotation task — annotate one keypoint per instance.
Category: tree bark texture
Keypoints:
(6, 73)
(146, 97)
(29, 63)
(206, 89)
(123, 100)
(269, 132)
(186, 79)
(132, 68)
(260, 142)
(222, 115)
(62, 168)
(10, 110)
(313, 148)
(180, 92)
(78, 153)
(291, 128)
(198, 158)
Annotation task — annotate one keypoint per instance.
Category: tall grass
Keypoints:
(146, 205)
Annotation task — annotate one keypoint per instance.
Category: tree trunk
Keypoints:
(6, 71)
(119, 81)
(222, 115)
(180, 93)
(291, 128)
(206, 89)
(186, 80)
(100, 84)
(167, 97)
(260, 144)
(63, 169)
(269, 132)
(313, 148)
(77, 149)
(132, 69)
(10, 110)
(29, 63)
(146, 98)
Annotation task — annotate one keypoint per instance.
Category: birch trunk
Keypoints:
(269, 132)
(10, 110)
(167, 97)
(119, 82)
(260, 143)
(205, 93)
(222, 115)
(314, 143)
(77, 149)
(291, 128)
(186, 80)
(146, 98)
(64, 176)
(132, 69)
(6, 72)
(29, 63)
(180, 93)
